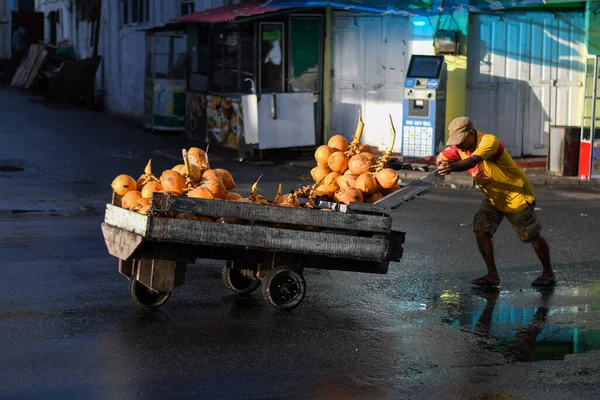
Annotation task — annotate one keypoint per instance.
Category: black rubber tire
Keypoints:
(145, 297)
(236, 282)
(284, 288)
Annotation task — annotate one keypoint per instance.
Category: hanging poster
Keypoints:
(224, 121)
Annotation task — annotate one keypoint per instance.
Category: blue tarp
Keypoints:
(404, 7)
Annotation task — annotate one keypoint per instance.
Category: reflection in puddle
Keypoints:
(526, 326)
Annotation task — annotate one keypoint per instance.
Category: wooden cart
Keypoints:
(263, 245)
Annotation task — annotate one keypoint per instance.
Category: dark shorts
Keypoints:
(525, 223)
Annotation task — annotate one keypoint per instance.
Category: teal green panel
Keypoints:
(305, 52)
(179, 104)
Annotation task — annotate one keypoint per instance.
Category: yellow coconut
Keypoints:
(173, 182)
(226, 177)
(319, 172)
(387, 178)
(367, 183)
(216, 187)
(322, 154)
(130, 200)
(144, 210)
(150, 188)
(359, 164)
(123, 184)
(338, 162)
(200, 193)
(338, 143)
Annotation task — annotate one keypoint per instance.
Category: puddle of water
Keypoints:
(527, 326)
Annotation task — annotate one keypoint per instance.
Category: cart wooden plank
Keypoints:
(268, 239)
(127, 220)
(121, 244)
(271, 213)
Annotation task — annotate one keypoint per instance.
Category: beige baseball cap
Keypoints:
(458, 130)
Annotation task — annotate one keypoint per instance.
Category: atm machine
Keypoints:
(424, 107)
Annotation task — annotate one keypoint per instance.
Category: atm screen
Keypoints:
(425, 67)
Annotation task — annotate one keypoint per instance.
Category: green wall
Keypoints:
(592, 27)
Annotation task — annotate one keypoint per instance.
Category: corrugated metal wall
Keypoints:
(524, 74)
(370, 60)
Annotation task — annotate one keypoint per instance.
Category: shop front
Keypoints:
(254, 77)
(165, 80)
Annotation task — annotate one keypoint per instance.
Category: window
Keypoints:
(232, 58)
(187, 7)
(135, 12)
(166, 56)
(272, 63)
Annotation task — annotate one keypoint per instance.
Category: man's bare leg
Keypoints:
(543, 252)
(486, 248)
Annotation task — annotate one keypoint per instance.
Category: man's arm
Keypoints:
(457, 166)
(465, 164)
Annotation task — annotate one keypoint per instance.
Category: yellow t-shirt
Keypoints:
(508, 189)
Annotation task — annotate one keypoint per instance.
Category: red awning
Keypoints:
(226, 14)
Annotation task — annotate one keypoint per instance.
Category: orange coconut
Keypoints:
(319, 172)
(216, 187)
(173, 182)
(387, 178)
(144, 210)
(123, 184)
(330, 182)
(367, 183)
(390, 190)
(289, 200)
(198, 157)
(359, 164)
(365, 148)
(338, 143)
(179, 168)
(322, 154)
(346, 181)
(200, 193)
(338, 162)
(226, 177)
(130, 200)
(189, 217)
(233, 196)
(373, 197)
(212, 174)
(350, 195)
(150, 188)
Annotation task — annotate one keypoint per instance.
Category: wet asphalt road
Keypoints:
(69, 329)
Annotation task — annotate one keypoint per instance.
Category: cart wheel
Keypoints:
(284, 288)
(236, 281)
(145, 297)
